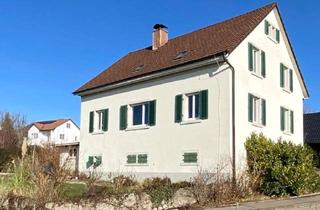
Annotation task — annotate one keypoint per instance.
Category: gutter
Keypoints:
(196, 64)
(233, 118)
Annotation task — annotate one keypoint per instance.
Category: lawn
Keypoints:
(74, 191)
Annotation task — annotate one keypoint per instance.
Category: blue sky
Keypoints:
(50, 48)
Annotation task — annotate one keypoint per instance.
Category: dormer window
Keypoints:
(272, 32)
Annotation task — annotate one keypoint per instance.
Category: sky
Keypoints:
(50, 48)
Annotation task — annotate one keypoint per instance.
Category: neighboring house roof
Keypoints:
(200, 44)
(50, 124)
(312, 127)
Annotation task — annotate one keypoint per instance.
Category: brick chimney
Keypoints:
(159, 36)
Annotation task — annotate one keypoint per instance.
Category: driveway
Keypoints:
(302, 202)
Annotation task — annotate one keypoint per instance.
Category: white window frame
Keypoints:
(287, 120)
(256, 61)
(98, 122)
(257, 110)
(272, 32)
(286, 78)
(185, 108)
(131, 116)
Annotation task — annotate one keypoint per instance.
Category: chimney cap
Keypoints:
(158, 26)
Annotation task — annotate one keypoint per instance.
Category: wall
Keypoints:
(268, 88)
(166, 141)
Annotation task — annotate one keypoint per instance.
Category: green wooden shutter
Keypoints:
(291, 80)
(203, 104)
(91, 120)
(123, 117)
(263, 107)
(266, 27)
(90, 161)
(281, 75)
(282, 118)
(142, 158)
(292, 122)
(152, 113)
(263, 63)
(178, 109)
(131, 159)
(190, 157)
(105, 120)
(98, 161)
(278, 35)
(250, 58)
(250, 107)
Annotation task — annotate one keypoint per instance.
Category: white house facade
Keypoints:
(62, 133)
(189, 103)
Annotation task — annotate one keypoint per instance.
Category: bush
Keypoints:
(159, 189)
(283, 168)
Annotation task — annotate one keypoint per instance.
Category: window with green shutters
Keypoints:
(256, 61)
(140, 114)
(190, 157)
(286, 78)
(137, 159)
(191, 106)
(272, 32)
(257, 113)
(286, 120)
(98, 121)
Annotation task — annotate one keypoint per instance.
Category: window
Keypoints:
(94, 161)
(286, 78)
(73, 152)
(75, 138)
(68, 125)
(137, 159)
(140, 114)
(34, 135)
(272, 32)
(257, 63)
(287, 120)
(98, 121)
(61, 136)
(190, 157)
(257, 110)
(191, 106)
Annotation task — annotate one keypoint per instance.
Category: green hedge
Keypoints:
(281, 168)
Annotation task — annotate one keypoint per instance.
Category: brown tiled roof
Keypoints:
(49, 125)
(200, 44)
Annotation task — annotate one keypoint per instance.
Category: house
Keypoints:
(312, 131)
(62, 133)
(190, 102)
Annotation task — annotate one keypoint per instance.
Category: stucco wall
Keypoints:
(166, 141)
(267, 88)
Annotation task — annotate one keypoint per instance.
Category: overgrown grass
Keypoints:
(74, 191)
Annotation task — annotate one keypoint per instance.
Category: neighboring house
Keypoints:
(63, 133)
(190, 102)
(312, 131)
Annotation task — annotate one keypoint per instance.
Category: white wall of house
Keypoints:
(165, 142)
(70, 135)
(267, 88)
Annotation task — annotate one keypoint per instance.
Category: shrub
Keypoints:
(283, 168)
(218, 187)
(159, 189)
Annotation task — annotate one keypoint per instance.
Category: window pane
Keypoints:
(146, 113)
(197, 104)
(137, 115)
(190, 106)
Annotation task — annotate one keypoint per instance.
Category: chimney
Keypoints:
(159, 36)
